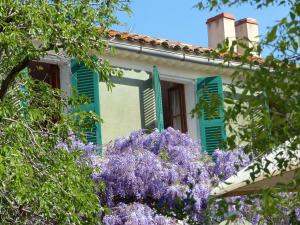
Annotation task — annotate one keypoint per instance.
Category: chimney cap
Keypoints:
(221, 15)
(246, 20)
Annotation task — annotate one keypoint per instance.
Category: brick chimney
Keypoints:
(247, 31)
(219, 28)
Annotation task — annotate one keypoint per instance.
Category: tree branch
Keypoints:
(11, 76)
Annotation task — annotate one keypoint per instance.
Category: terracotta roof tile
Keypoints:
(171, 45)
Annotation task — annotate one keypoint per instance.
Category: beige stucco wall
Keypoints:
(124, 108)
(174, 71)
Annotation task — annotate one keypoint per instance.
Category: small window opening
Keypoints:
(174, 110)
(48, 73)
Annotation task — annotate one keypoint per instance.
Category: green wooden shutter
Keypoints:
(86, 82)
(158, 99)
(212, 128)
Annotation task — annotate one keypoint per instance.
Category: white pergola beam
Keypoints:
(241, 183)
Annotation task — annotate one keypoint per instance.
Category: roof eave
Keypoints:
(177, 55)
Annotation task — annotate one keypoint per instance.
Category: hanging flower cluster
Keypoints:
(164, 170)
(163, 178)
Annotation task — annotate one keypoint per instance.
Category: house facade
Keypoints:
(161, 84)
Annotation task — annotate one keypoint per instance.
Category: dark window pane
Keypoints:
(46, 72)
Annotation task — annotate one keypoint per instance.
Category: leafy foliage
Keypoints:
(41, 182)
(266, 95)
(30, 30)
(269, 90)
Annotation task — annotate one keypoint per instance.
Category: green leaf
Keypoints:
(271, 36)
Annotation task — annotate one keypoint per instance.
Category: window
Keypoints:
(174, 110)
(46, 72)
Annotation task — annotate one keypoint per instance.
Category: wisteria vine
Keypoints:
(163, 178)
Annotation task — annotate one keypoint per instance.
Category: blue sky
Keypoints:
(177, 20)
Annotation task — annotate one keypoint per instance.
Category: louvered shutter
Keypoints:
(158, 99)
(86, 82)
(260, 113)
(212, 128)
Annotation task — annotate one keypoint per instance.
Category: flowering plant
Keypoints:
(164, 178)
(163, 170)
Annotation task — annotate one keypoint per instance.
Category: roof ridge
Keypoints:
(149, 36)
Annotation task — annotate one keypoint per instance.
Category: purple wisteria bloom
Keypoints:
(136, 214)
(159, 169)
(148, 176)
